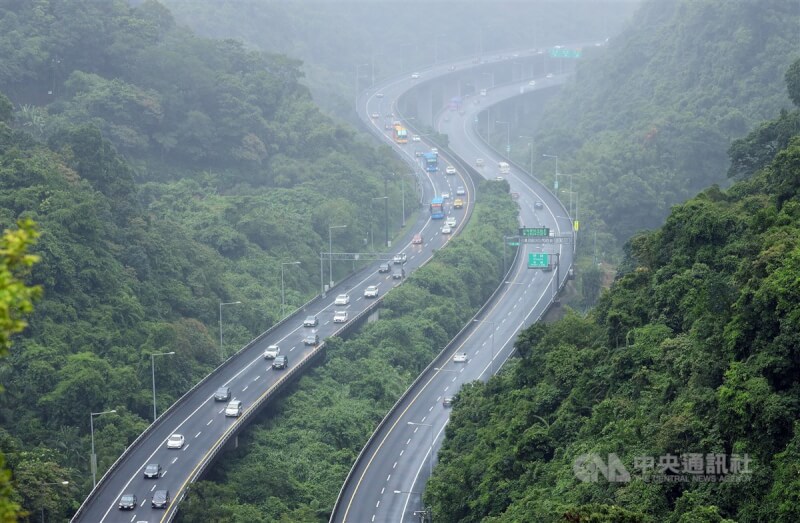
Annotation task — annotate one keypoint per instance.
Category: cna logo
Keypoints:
(588, 467)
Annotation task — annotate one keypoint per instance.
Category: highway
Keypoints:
(201, 420)
(386, 483)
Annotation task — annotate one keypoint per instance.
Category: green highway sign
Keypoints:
(563, 52)
(513, 244)
(538, 260)
(534, 231)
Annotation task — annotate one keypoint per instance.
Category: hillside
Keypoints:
(688, 371)
(648, 119)
(167, 174)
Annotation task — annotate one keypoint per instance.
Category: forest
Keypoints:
(646, 122)
(166, 173)
(692, 352)
(162, 173)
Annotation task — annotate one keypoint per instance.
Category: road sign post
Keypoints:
(538, 260)
(534, 231)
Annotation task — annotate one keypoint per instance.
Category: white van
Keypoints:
(504, 168)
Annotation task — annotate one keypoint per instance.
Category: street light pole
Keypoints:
(153, 367)
(494, 327)
(283, 294)
(430, 454)
(508, 135)
(221, 352)
(530, 147)
(556, 157)
(330, 248)
(93, 457)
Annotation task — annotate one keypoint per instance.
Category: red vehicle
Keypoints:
(417, 240)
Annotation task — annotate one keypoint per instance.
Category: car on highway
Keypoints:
(498, 178)
(399, 274)
(222, 394)
(152, 471)
(538, 205)
(447, 229)
(310, 321)
(384, 267)
(445, 196)
(460, 357)
(281, 362)
(451, 221)
(400, 259)
(418, 153)
(479, 162)
(311, 339)
(458, 203)
(128, 502)
(160, 499)
(234, 408)
(549, 75)
(434, 150)
(175, 441)
(371, 291)
(450, 170)
(342, 299)
(460, 191)
(375, 115)
(415, 138)
(271, 352)
(447, 401)
(378, 95)
(340, 317)
(417, 239)
(414, 76)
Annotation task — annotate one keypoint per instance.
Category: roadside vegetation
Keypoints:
(692, 351)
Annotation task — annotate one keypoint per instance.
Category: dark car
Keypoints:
(222, 394)
(399, 274)
(160, 499)
(127, 502)
(310, 321)
(152, 471)
(311, 339)
(281, 362)
(384, 267)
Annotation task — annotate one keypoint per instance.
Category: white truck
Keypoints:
(504, 168)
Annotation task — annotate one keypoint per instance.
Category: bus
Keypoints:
(437, 208)
(504, 168)
(400, 133)
(431, 161)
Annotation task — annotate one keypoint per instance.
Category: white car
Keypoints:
(371, 291)
(415, 138)
(460, 357)
(378, 95)
(445, 196)
(400, 259)
(479, 162)
(549, 75)
(446, 229)
(375, 115)
(342, 299)
(532, 83)
(340, 317)
(414, 76)
(175, 441)
(450, 170)
(460, 191)
(272, 352)
(451, 221)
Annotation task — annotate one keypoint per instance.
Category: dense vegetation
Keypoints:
(166, 173)
(291, 466)
(648, 118)
(693, 350)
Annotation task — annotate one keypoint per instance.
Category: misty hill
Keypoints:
(692, 354)
(167, 173)
(648, 120)
(339, 40)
